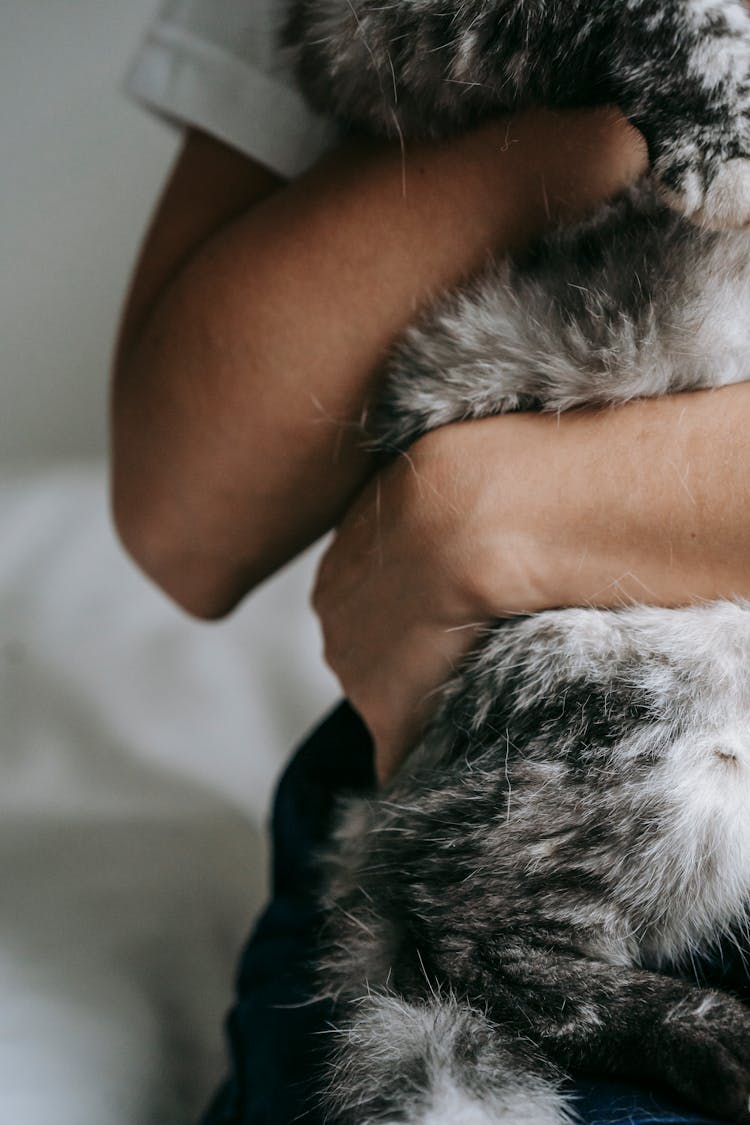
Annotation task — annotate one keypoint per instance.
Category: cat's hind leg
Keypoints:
(436, 1062)
(596, 1017)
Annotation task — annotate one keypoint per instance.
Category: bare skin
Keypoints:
(250, 350)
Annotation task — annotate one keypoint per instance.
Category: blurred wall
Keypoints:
(80, 168)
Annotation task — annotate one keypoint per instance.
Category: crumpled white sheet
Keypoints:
(137, 750)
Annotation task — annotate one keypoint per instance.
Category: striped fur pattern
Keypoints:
(573, 831)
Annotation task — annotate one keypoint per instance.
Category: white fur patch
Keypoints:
(725, 205)
(732, 11)
(494, 1087)
(533, 1106)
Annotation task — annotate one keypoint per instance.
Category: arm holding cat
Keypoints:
(260, 312)
(646, 502)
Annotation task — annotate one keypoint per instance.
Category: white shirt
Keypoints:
(215, 64)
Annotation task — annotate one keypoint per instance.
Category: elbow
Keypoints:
(202, 586)
(168, 491)
(166, 534)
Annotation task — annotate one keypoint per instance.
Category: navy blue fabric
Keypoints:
(276, 1033)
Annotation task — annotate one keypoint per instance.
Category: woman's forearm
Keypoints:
(237, 405)
(648, 502)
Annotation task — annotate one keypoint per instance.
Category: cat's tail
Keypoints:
(439, 1062)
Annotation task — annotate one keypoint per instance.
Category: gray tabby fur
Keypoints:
(574, 826)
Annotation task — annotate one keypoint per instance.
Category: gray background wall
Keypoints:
(80, 168)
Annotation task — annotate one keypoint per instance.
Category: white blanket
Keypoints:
(136, 757)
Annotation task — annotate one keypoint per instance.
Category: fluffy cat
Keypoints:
(574, 825)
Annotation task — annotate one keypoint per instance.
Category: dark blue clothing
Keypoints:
(273, 1028)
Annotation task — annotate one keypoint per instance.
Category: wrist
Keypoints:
(591, 508)
(562, 511)
(643, 503)
(486, 500)
(518, 523)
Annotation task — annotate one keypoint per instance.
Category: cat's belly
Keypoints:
(606, 784)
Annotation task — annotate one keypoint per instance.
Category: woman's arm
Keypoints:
(648, 502)
(260, 313)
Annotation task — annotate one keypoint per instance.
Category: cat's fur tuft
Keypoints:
(400, 1061)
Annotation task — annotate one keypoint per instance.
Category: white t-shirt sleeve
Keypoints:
(215, 64)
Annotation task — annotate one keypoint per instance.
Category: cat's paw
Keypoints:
(714, 197)
(704, 1052)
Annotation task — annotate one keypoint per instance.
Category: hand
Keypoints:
(401, 592)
